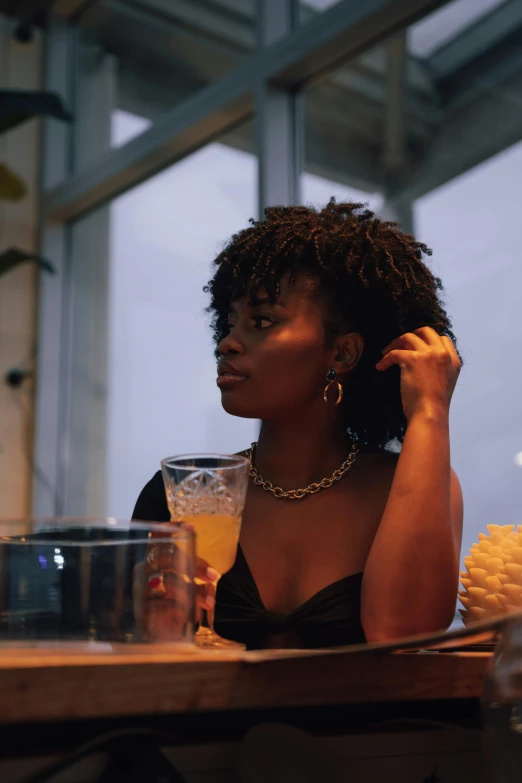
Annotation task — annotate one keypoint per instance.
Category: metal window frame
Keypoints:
(343, 31)
(54, 291)
(267, 84)
(279, 123)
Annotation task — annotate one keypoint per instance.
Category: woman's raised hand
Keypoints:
(429, 366)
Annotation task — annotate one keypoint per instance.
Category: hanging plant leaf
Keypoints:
(12, 187)
(14, 256)
(17, 106)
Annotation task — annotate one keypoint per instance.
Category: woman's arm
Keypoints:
(411, 575)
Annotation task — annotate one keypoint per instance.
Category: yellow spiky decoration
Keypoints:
(492, 580)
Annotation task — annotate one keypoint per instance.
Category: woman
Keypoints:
(330, 330)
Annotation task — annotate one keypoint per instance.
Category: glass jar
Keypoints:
(92, 582)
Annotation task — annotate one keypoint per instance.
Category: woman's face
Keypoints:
(275, 358)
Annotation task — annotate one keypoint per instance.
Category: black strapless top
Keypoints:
(329, 618)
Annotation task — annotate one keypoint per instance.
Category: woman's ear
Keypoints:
(348, 350)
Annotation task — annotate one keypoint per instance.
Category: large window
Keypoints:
(147, 57)
(418, 116)
(143, 357)
(309, 8)
(472, 224)
(426, 129)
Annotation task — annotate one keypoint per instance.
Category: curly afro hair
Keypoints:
(372, 278)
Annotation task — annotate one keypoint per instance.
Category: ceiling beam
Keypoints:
(476, 40)
(69, 9)
(488, 73)
(394, 144)
(208, 21)
(469, 137)
(343, 31)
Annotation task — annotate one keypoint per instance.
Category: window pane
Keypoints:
(155, 346)
(317, 191)
(343, 132)
(427, 128)
(472, 224)
(309, 8)
(436, 29)
(146, 57)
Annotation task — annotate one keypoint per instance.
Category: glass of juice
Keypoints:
(208, 492)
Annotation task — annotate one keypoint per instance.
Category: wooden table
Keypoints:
(53, 685)
(63, 698)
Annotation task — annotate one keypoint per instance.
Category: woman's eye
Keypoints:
(230, 324)
(262, 321)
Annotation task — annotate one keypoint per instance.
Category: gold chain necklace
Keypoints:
(311, 489)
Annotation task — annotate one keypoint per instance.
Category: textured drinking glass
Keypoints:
(208, 491)
(92, 580)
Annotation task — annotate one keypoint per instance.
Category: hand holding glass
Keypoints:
(208, 491)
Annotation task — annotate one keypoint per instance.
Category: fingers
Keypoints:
(163, 592)
(440, 343)
(406, 349)
(409, 341)
(206, 596)
(162, 618)
(394, 357)
(424, 339)
(167, 616)
(418, 339)
(204, 572)
(206, 592)
(453, 353)
(428, 335)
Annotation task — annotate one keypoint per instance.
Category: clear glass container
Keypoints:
(502, 703)
(71, 580)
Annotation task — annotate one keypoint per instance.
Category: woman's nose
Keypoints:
(230, 344)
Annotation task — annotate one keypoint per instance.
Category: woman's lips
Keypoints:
(229, 380)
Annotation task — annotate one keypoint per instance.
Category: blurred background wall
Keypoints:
(20, 68)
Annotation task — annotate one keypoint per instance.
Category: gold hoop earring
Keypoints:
(331, 375)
